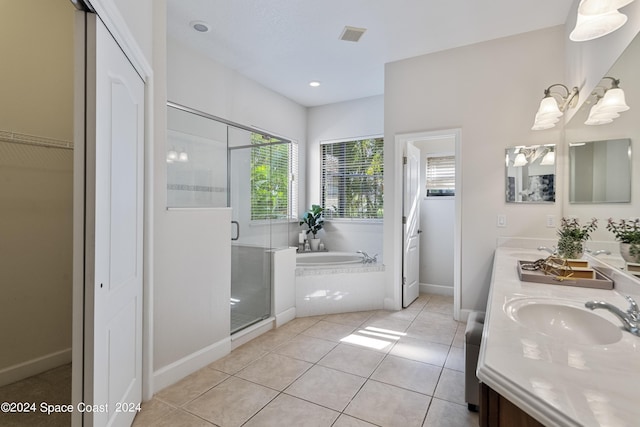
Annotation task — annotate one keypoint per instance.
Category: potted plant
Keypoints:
(627, 232)
(313, 219)
(572, 235)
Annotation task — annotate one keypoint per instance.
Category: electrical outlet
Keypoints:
(551, 221)
(502, 220)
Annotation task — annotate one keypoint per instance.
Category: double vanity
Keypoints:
(546, 359)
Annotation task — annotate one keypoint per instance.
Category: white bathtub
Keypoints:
(310, 259)
(337, 282)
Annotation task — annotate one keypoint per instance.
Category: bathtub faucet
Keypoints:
(367, 259)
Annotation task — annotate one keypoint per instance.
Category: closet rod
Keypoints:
(39, 141)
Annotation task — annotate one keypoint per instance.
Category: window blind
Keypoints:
(270, 180)
(352, 179)
(441, 176)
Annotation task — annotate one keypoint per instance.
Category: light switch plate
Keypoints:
(502, 220)
(551, 221)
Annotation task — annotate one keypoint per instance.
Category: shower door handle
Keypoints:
(237, 224)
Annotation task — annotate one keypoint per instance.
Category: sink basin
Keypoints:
(564, 320)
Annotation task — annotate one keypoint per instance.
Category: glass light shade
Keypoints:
(548, 159)
(597, 122)
(589, 27)
(520, 160)
(544, 124)
(183, 157)
(598, 7)
(613, 102)
(172, 155)
(548, 109)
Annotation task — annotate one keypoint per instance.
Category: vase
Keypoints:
(569, 248)
(625, 252)
(315, 244)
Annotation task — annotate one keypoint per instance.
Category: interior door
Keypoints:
(113, 257)
(411, 223)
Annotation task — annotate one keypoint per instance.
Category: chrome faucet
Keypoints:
(552, 251)
(598, 252)
(367, 259)
(630, 320)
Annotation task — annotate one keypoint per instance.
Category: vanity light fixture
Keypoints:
(597, 18)
(609, 105)
(549, 159)
(172, 156)
(183, 156)
(550, 111)
(520, 160)
(598, 7)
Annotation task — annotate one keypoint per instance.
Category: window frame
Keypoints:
(321, 178)
(426, 165)
(293, 168)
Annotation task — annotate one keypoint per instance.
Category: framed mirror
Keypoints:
(600, 171)
(531, 174)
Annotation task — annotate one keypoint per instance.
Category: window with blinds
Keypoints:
(274, 167)
(441, 176)
(352, 180)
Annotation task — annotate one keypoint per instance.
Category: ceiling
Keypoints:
(285, 44)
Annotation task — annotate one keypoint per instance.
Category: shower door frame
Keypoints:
(269, 247)
(230, 124)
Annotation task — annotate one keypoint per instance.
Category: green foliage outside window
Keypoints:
(352, 179)
(269, 179)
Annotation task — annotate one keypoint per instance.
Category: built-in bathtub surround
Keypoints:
(337, 283)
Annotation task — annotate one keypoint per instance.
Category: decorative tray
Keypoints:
(580, 275)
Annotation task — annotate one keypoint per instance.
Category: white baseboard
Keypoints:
(34, 366)
(426, 288)
(179, 369)
(285, 316)
(464, 314)
(251, 332)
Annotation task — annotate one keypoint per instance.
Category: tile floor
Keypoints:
(355, 369)
(52, 386)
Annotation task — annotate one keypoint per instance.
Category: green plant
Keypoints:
(625, 231)
(572, 234)
(313, 219)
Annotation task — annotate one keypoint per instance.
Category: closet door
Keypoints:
(113, 237)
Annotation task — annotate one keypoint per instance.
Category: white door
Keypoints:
(411, 223)
(113, 239)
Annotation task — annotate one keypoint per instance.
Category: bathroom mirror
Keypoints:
(600, 171)
(625, 127)
(531, 174)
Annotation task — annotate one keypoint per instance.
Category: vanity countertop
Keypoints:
(557, 382)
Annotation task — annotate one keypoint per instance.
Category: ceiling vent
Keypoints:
(352, 34)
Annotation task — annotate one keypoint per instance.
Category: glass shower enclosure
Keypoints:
(209, 158)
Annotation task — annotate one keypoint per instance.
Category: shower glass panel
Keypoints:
(259, 198)
(211, 163)
(196, 161)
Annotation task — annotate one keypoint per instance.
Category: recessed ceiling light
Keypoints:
(314, 84)
(200, 26)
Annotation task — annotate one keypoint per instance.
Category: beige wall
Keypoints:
(491, 91)
(36, 41)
